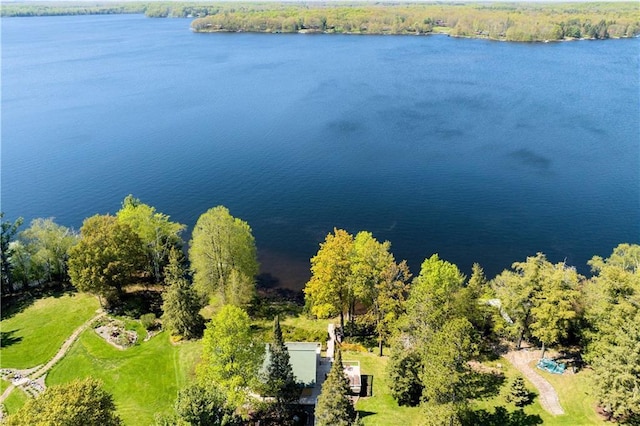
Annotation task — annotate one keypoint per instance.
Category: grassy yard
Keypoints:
(33, 336)
(15, 400)
(143, 379)
(573, 391)
(571, 388)
(380, 409)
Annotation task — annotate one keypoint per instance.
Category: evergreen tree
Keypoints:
(518, 393)
(334, 407)
(403, 371)
(280, 381)
(181, 303)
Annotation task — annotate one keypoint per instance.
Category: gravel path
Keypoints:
(547, 394)
(65, 347)
(38, 373)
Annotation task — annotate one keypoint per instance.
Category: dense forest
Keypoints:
(496, 21)
(436, 325)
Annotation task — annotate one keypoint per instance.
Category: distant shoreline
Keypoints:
(502, 21)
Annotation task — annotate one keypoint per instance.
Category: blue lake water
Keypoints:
(480, 151)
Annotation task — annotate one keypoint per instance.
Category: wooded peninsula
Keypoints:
(524, 22)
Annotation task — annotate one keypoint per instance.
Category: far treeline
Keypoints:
(496, 21)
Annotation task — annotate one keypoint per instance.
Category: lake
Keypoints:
(480, 151)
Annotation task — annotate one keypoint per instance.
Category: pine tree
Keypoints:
(334, 407)
(181, 304)
(518, 393)
(281, 383)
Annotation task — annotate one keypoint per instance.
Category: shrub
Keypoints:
(148, 321)
(354, 347)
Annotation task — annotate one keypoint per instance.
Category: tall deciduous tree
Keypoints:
(231, 356)
(107, 256)
(433, 299)
(554, 306)
(328, 290)
(612, 310)
(157, 233)
(8, 231)
(223, 256)
(516, 290)
(79, 403)
(539, 297)
(390, 297)
(181, 303)
(616, 380)
(47, 245)
(612, 297)
(334, 408)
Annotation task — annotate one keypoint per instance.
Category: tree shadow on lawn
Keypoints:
(16, 303)
(501, 417)
(7, 338)
(136, 303)
(362, 414)
(485, 384)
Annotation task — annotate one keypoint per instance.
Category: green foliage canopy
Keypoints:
(157, 233)
(231, 356)
(223, 257)
(41, 252)
(106, 258)
(79, 403)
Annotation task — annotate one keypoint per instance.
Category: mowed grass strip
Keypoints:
(380, 409)
(32, 337)
(143, 379)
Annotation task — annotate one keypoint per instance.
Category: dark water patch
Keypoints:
(529, 158)
(344, 126)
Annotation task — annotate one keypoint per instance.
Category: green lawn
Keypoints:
(572, 390)
(4, 385)
(380, 409)
(143, 379)
(33, 336)
(15, 400)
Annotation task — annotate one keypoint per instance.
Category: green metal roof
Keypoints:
(304, 360)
